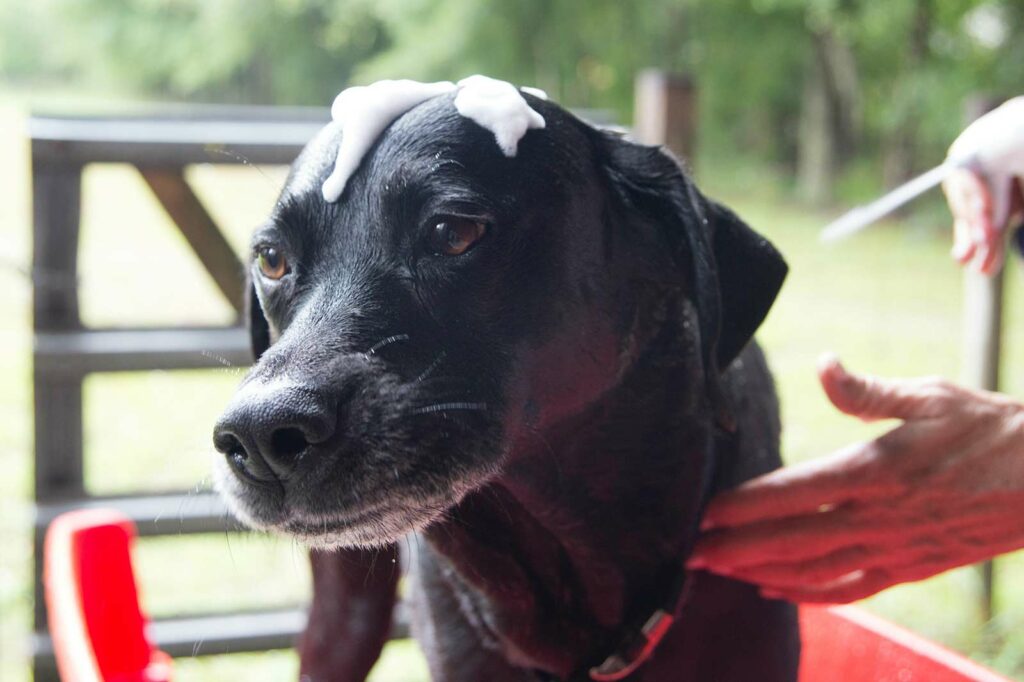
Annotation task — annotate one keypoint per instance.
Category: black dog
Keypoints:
(539, 363)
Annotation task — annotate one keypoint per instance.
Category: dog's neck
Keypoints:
(590, 520)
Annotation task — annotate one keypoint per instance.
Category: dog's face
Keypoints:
(451, 301)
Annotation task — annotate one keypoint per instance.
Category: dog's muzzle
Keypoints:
(269, 427)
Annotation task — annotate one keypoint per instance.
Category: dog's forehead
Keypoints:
(361, 116)
(365, 112)
(433, 136)
(415, 144)
(434, 157)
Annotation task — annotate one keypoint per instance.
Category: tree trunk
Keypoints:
(829, 116)
(817, 162)
(900, 160)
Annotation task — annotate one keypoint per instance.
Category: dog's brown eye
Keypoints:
(272, 262)
(453, 236)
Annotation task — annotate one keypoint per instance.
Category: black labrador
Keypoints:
(541, 365)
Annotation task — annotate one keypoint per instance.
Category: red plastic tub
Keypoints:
(848, 644)
(99, 631)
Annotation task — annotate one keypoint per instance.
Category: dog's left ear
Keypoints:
(734, 273)
(259, 329)
(750, 274)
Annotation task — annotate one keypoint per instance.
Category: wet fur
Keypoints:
(546, 419)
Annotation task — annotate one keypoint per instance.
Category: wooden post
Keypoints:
(983, 323)
(207, 241)
(56, 208)
(665, 112)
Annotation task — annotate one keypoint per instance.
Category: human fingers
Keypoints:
(881, 568)
(871, 398)
(963, 246)
(979, 215)
(930, 535)
(975, 237)
(991, 261)
(957, 188)
(798, 574)
(799, 489)
(810, 536)
(986, 235)
(854, 587)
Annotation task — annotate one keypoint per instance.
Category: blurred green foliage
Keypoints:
(912, 61)
(251, 51)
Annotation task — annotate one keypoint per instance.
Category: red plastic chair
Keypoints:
(849, 644)
(98, 629)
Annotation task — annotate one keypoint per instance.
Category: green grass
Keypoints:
(888, 302)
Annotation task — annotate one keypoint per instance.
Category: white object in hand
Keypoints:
(992, 146)
(858, 218)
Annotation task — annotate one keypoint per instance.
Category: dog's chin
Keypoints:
(382, 523)
(368, 531)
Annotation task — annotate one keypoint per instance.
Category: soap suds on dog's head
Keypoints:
(498, 107)
(365, 111)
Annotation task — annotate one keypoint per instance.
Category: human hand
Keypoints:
(977, 239)
(985, 192)
(944, 489)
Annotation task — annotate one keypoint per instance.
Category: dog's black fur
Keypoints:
(545, 409)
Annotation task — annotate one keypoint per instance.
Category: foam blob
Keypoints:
(536, 92)
(499, 107)
(365, 111)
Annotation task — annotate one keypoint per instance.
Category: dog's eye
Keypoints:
(453, 236)
(272, 262)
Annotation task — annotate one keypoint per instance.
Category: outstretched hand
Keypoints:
(943, 489)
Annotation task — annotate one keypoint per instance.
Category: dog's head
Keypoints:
(455, 299)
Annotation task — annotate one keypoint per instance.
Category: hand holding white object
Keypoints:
(984, 192)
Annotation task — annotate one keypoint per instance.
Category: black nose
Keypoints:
(268, 428)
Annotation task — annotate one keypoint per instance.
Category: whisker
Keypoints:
(448, 407)
(241, 158)
(383, 343)
(433, 365)
(219, 358)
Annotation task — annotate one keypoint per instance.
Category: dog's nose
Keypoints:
(267, 429)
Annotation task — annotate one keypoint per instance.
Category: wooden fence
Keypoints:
(65, 351)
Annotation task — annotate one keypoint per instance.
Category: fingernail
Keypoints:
(696, 563)
(978, 264)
